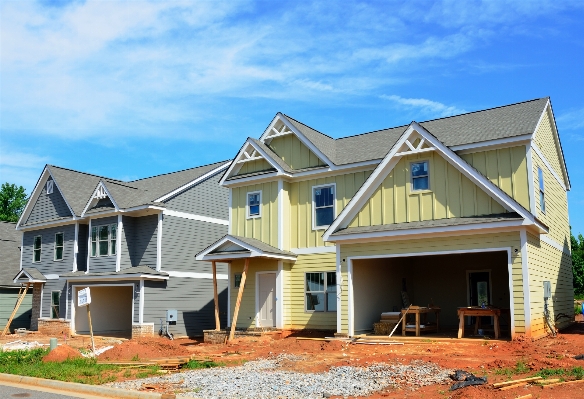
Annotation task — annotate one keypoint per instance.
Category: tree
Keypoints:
(12, 202)
(578, 263)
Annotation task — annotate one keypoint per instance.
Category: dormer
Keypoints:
(100, 200)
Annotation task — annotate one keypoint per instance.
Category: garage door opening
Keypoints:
(111, 311)
(445, 281)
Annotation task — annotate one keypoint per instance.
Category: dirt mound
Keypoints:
(145, 349)
(62, 353)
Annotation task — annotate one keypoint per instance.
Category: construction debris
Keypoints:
(18, 345)
(466, 379)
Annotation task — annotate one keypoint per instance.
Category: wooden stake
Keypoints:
(90, 329)
(21, 296)
(217, 322)
(502, 384)
(238, 302)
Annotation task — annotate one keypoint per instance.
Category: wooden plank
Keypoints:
(239, 295)
(521, 384)
(216, 298)
(563, 383)
(552, 381)
(502, 384)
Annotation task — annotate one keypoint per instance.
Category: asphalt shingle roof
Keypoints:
(260, 245)
(10, 241)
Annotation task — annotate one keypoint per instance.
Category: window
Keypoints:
(55, 301)
(420, 177)
(323, 205)
(104, 240)
(36, 249)
(236, 280)
(50, 186)
(541, 191)
(321, 292)
(58, 246)
(253, 204)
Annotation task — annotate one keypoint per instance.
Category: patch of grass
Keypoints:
(507, 372)
(29, 363)
(521, 368)
(136, 358)
(197, 364)
(575, 372)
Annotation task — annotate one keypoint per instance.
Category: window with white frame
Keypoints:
(59, 244)
(55, 304)
(420, 176)
(104, 240)
(36, 249)
(323, 201)
(254, 201)
(541, 190)
(50, 186)
(321, 292)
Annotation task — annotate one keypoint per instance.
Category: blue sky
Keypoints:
(133, 89)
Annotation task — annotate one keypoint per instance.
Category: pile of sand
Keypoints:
(144, 349)
(62, 353)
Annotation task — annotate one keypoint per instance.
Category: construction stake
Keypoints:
(21, 296)
(238, 302)
(90, 329)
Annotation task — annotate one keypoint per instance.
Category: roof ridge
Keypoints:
(85, 173)
(178, 171)
(304, 124)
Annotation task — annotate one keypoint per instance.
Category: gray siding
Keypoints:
(48, 207)
(207, 198)
(103, 263)
(54, 285)
(8, 298)
(183, 238)
(82, 247)
(47, 265)
(139, 241)
(128, 231)
(192, 298)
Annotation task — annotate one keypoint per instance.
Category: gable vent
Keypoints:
(100, 193)
(50, 187)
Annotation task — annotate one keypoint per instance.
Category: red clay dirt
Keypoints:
(144, 349)
(62, 353)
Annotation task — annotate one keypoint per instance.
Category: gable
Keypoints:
(257, 165)
(294, 152)
(547, 142)
(48, 206)
(101, 200)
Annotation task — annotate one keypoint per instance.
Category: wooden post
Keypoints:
(238, 302)
(21, 296)
(90, 329)
(217, 322)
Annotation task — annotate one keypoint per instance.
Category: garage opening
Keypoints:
(444, 281)
(111, 311)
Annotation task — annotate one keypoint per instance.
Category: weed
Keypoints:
(485, 343)
(127, 374)
(521, 367)
(142, 374)
(505, 371)
(576, 372)
(427, 340)
(136, 358)
(196, 364)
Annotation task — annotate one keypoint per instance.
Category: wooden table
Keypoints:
(420, 311)
(478, 312)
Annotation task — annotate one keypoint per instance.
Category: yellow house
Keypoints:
(456, 211)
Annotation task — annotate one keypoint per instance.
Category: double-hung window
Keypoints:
(323, 206)
(104, 240)
(541, 190)
(254, 201)
(55, 302)
(321, 292)
(59, 244)
(420, 176)
(36, 249)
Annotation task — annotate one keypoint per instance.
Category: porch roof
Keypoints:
(31, 274)
(236, 247)
(131, 273)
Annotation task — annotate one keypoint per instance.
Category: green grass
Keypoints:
(574, 372)
(196, 364)
(520, 368)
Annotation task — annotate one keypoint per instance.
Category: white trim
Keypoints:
(530, 180)
(334, 185)
(49, 187)
(247, 214)
(41, 304)
(229, 282)
(525, 276)
(119, 244)
(51, 276)
(511, 290)
(195, 275)
(22, 249)
(199, 179)
(89, 247)
(257, 295)
(192, 216)
(75, 247)
(280, 295)
(280, 214)
(54, 223)
(558, 144)
(351, 301)
(67, 300)
(229, 227)
(491, 144)
(550, 241)
(159, 242)
(34, 196)
(339, 289)
(141, 304)
(253, 252)
(548, 165)
(538, 124)
(314, 250)
(101, 185)
(27, 275)
(115, 277)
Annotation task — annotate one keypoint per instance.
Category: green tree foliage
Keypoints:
(12, 202)
(578, 263)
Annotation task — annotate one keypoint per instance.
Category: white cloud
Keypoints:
(571, 120)
(21, 168)
(425, 106)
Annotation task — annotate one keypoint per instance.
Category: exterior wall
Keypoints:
(254, 166)
(545, 140)
(36, 306)
(182, 239)
(265, 227)
(127, 244)
(48, 207)
(99, 264)
(54, 285)
(301, 233)
(294, 152)
(8, 298)
(48, 265)
(144, 242)
(54, 327)
(207, 198)
(82, 247)
(468, 242)
(191, 297)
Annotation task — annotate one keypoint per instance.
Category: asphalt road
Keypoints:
(11, 391)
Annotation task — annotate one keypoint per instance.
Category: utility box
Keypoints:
(171, 316)
(547, 290)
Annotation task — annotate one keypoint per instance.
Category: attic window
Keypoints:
(420, 177)
(50, 187)
(100, 193)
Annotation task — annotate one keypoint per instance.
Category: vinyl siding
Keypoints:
(182, 239)
(54, 285)
(265, 227)
(48, 206)
(254, 166)
(192, 298)
(207, 198)
(8, 298)
(546, 142)
(294, 152)
(143, 251)
(99, 264)
(48, 265)
(127, 244)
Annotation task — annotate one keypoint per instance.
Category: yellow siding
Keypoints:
(499, 240)
(294, 152)
(254, 166)
(450, 195)
(301, 233)
(545, 140)
(265, 227)
(551, 264)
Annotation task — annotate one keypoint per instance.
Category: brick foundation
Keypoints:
(142, 330)
(220, 337)
(54, 327)
(36, 306)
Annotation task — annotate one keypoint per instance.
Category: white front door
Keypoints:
(267, 299)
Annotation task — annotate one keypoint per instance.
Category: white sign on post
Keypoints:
(83, 297)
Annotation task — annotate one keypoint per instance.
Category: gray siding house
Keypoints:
(132, 242)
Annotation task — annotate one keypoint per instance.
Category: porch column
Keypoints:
(216, 298)
(239, 295)
(37, 290)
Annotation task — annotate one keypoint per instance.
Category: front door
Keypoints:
(267, 299)
(480, 291)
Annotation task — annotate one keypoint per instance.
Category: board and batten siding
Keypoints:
(546, 142)
(48, 265)
(258, 165)
(207, 198)
(265, 227)
(8, 298)
(440, 244)
(294, 152)
(98, 264)
(183, 238)
(48, 206)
